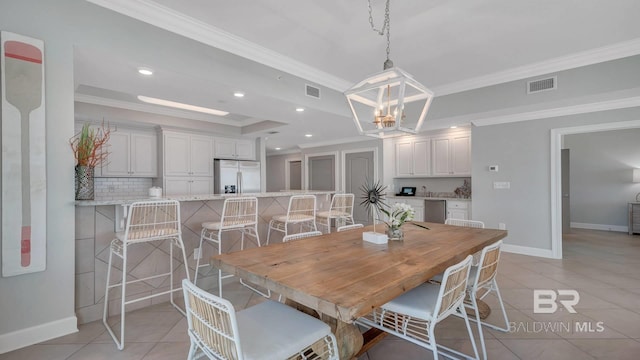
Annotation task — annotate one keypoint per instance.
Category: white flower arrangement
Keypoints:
(398, 214)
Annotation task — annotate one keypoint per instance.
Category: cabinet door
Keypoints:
(176, 154)
(176, 186)
(245, 150)
(201, 156)
(201, 186)
(440, 148)
(118, 159)
(404, 159)
(225, 148)
(421, 158)
(459, 214)
(461, 155)
(144, 155)
(419, 214)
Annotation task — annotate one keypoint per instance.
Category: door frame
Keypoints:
(557, 136)
(343, 159)
(336, 167)
(287, 172)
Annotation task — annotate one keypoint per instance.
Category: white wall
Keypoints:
(601, 172)
(522, 151)
(41, 305)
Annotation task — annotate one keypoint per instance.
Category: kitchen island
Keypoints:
(98, 220)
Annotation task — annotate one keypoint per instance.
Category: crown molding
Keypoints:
(584, 108)
(176, 22)
(163, 17)
(158, 110)
(584, 58)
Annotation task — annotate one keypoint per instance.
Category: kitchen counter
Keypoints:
(428, 198)
(204, 197)
(97, 222)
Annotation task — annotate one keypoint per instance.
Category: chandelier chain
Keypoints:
(386, 25)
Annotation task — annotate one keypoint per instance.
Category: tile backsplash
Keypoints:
(117, 188)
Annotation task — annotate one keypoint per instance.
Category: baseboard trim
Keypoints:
(525, 250)
(603, 227)
(36, 334)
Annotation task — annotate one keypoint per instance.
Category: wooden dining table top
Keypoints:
(344, 277)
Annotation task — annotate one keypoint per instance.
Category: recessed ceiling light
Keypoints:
(145, 71)
(278, 148)
(300, 109)
(308, 135)
(238, 94)
(178, 105)
(454, 127)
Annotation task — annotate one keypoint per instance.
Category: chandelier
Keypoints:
(389, 103)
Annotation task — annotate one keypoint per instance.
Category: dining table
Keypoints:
(342, 277)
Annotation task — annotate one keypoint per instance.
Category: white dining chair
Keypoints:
(267, 331)
(299, 236)
(301, 212)
(238, 214)
(147, 221)
(349, 227)
(341, 210)
(464, 223)
(482, 282)
(413, 315)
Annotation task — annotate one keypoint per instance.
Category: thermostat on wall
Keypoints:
(493, 168)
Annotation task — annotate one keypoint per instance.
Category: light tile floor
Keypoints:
(604, 267)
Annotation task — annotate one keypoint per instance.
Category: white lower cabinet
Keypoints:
(177, 185)
(460, 210)
(416, 204)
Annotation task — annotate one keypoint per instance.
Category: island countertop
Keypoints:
(203, 197)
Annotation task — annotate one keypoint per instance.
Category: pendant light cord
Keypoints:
(385, 29)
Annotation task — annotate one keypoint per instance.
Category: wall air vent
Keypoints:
(312, 91)
(272, 132)
(536, 86)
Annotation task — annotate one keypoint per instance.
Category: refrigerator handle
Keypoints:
(239, 182)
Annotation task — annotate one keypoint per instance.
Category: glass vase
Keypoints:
(395, 233)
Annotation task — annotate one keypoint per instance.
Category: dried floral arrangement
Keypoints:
(90, 145)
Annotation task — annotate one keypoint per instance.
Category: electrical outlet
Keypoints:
(196, 254)
(502, 226)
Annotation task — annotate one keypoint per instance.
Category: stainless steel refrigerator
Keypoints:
(236, 177)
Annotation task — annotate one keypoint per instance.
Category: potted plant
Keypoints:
(89, 149)
(396, 217)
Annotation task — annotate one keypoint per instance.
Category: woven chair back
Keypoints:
(301, 207)
(465, 223)
(152, 220)
(239, 211)
(211, 321)
(299, 236)
(453, 287)
(488, 267)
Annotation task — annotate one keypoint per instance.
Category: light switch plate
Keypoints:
(501, 185)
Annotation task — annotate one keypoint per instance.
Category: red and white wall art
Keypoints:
(24, 190)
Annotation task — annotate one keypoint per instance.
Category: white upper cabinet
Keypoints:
(131, 154)
(452, 155)
(234, 149)
(188, 155)
(412, 158)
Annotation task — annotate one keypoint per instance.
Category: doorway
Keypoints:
(321, 171)
(295, 175)
(556, 173)
(358, 166)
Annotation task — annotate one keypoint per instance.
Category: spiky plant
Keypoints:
(373, 198)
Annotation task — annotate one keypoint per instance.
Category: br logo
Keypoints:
(546, 301)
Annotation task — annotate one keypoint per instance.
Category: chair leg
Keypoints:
(466, 321)
(504, 312)
(269, 231)
(192, 351)
(474, 303)
(105, 312)
(432, 339)
(328, 225)
(195, 276)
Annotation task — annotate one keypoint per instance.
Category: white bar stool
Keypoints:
(341, 210)
(147, 221)
(238, 214)
(301, 211)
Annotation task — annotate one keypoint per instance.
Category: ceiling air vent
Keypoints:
(312, 91)
(542, 85)
(272, 132)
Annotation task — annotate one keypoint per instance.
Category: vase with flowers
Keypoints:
(396, 216)
(89, 148)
